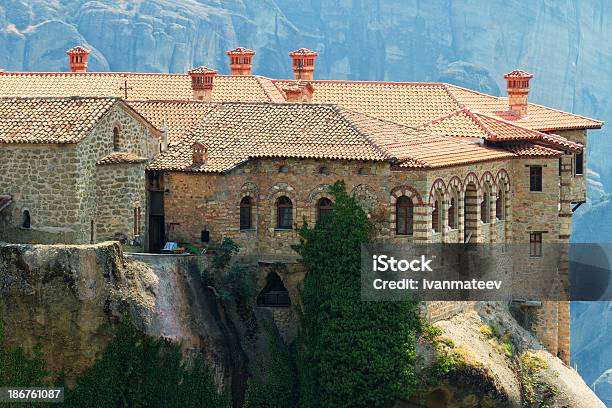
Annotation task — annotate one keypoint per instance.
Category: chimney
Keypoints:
(78, 58)
(241, 60)
(199, 154)
(298, 92)
(202, 83)
(303, 63)
(518, 91)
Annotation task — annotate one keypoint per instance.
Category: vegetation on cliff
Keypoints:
(135, 370)
(350, 353)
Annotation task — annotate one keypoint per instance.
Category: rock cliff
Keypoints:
(67, 298)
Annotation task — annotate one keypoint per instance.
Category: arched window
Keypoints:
(246, 213)
(324, 208)
(283, 169)
(324, 170)
(484, 207)
(499, 205)
(404, 216)
(435, 217)
(452, 213)
(284, 213)
(116, 139)
(26, 222)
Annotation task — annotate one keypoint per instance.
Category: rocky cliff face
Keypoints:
(68, 297)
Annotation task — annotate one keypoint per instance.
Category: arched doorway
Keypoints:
(470, 214)
(274, 294)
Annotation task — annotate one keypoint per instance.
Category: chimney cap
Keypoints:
(78, 50)
(518, 73)
(201, 70)
(240, 51)
(303, 52)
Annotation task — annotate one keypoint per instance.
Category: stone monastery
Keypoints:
(196, 157)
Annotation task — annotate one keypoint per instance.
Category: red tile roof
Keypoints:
(465, 123)
(248, 88)
(236, 132)
(180, 116)
(416, 103)
(240, 51)
(518, 73)
(78, 50)
(50, 120)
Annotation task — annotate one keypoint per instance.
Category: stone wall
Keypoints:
(57, 184)
(42, 179)
(121, 199)
(197, 202)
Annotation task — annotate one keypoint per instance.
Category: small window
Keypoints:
(578, 167)
(404, 214)
(452, 213)
(246, 213)
(499, 205)
(535, 178)
(26, 222)
(284, 212)
(324, 209)
(283, 169)
(324, 170)
(535, 244)
(116, 139)
(484, 208)
(435, 217)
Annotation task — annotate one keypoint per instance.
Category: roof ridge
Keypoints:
(341, 110)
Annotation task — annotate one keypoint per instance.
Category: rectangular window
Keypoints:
(578, 167)
(535, 178)
(535, 244)
(245, 217)
(285, 218)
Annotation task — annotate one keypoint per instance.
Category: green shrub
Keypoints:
(18, 369)
(350, 353)
(136, 370)
(273, 384)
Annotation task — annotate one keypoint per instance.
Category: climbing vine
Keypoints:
(350, 353)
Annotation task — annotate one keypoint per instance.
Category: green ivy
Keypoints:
(351, 353)
(137, 370)
(273, 384)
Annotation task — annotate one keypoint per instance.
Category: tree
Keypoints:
(351, 353)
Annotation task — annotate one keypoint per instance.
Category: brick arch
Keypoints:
(487, 178)
(437, 185)
(249, 189)
(117, 124)
(408, 191)
(455, 181)
(320, 191)
(503, 177)
(472, 178)
(279, 190)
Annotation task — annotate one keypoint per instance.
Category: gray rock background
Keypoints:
(566, 44)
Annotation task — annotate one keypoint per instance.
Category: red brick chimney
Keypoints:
(303, 62)
(202, 82)
(78, 58)
(298, 92)
(518, 91)
(241, 60)
(200, 153)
